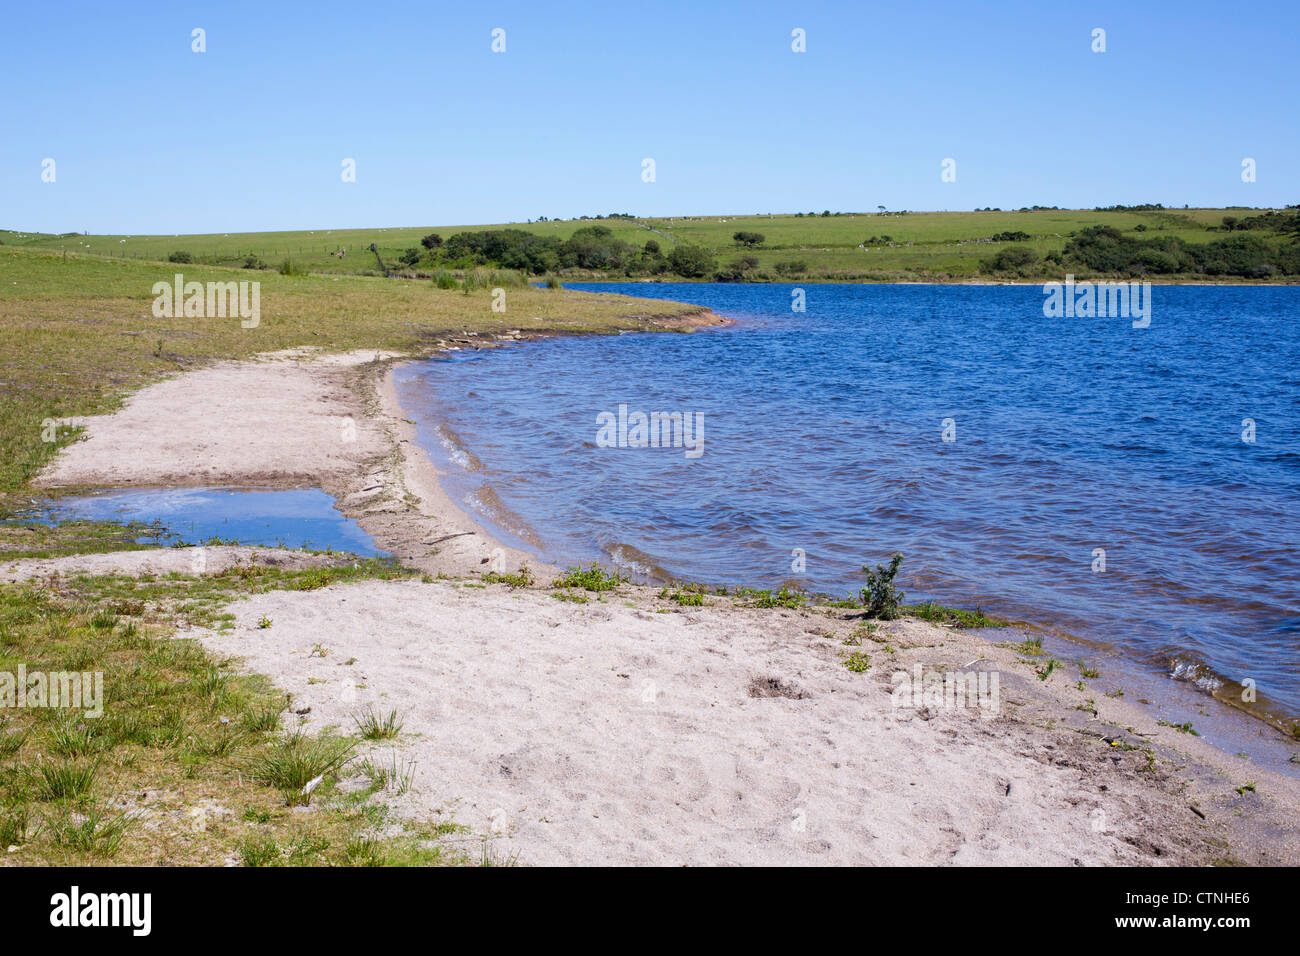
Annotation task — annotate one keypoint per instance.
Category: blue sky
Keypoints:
(149, 137)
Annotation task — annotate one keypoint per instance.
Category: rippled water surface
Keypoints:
(823, 431)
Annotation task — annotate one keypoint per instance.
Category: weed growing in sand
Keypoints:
(880, 598)
(569, 596)
(1183, 728)
(1046, 669)
(857, 662)
(594, 578)
(523, 578)
(373, 725)
(1244, 788)
(1117, 692)
(264, 622)
(396, 775)
(1088, 672)
(688, 595)
(784, 597)
(955, 617)
(1030, 647)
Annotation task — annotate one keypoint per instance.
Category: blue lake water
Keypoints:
(824, 432)
(294, 518)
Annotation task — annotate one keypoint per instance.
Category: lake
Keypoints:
(1133, 487)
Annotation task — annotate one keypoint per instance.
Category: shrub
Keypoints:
(1010, 260)
(692, 261)
(182, 257)
(749, 239)
(410, 257)
(880, 598)
(432, 241)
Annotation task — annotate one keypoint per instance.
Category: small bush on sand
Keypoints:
(880, 598)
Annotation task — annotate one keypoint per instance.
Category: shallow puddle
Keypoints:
(293, 518)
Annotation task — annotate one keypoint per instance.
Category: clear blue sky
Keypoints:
(149, 137)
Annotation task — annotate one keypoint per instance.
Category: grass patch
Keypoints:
(175, 746)
(374, 725)
(594, 578)
(938, 614)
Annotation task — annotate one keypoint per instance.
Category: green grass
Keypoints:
(184, 727)
(857, 662)
(938, 614)
(78, 333)
(522, 578)
(374, 725)
(594, 578)
(936, 246)
(782, 597)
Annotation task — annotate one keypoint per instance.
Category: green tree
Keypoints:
(692, 261)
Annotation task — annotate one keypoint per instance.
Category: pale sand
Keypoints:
(607, 734)
(208, 559)
(604, 733)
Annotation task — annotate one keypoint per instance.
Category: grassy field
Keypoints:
(77, 331)
(197, 763)
(921, 246)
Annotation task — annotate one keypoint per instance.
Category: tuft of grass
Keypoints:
(296, 762)
(71, 738)
(94, 831)
(373, 725)
(12, 741)
(397, 774)
(263, 720)
(67, 780)
(259, 852)
(1030, 647)
(14, 826)
(938, 614)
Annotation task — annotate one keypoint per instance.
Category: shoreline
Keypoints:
(1175, 793)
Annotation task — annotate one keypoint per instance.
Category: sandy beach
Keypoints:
(632, 730)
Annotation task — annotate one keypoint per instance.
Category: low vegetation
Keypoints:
(192, 761)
